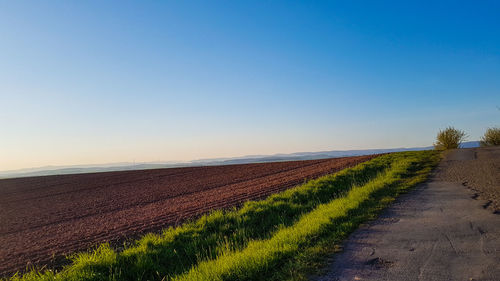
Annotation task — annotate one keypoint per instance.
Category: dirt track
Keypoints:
(479, 170)
(441, 230)
(41, 217)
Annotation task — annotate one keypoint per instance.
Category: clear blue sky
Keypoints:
(110, 81)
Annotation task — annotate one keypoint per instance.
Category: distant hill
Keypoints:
(470, 144)
(79, 169)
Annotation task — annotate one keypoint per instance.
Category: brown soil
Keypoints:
(44, 218)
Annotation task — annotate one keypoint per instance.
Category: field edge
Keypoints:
(310, 259)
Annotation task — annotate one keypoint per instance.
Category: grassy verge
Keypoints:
(263, 259)
(274, 238)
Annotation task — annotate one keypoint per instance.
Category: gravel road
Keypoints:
(445, 229)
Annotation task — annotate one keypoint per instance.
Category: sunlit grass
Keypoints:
(263, 258)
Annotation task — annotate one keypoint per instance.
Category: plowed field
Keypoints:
(46, 217)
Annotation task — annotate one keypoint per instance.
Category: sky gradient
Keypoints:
(85, 82)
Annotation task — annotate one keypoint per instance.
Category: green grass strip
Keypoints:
(312, 258)
(263, 258)
(178, 250)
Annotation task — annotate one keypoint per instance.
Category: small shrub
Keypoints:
(491, 137)
(449, 138)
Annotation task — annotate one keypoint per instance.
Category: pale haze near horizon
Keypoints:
(93, 82)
